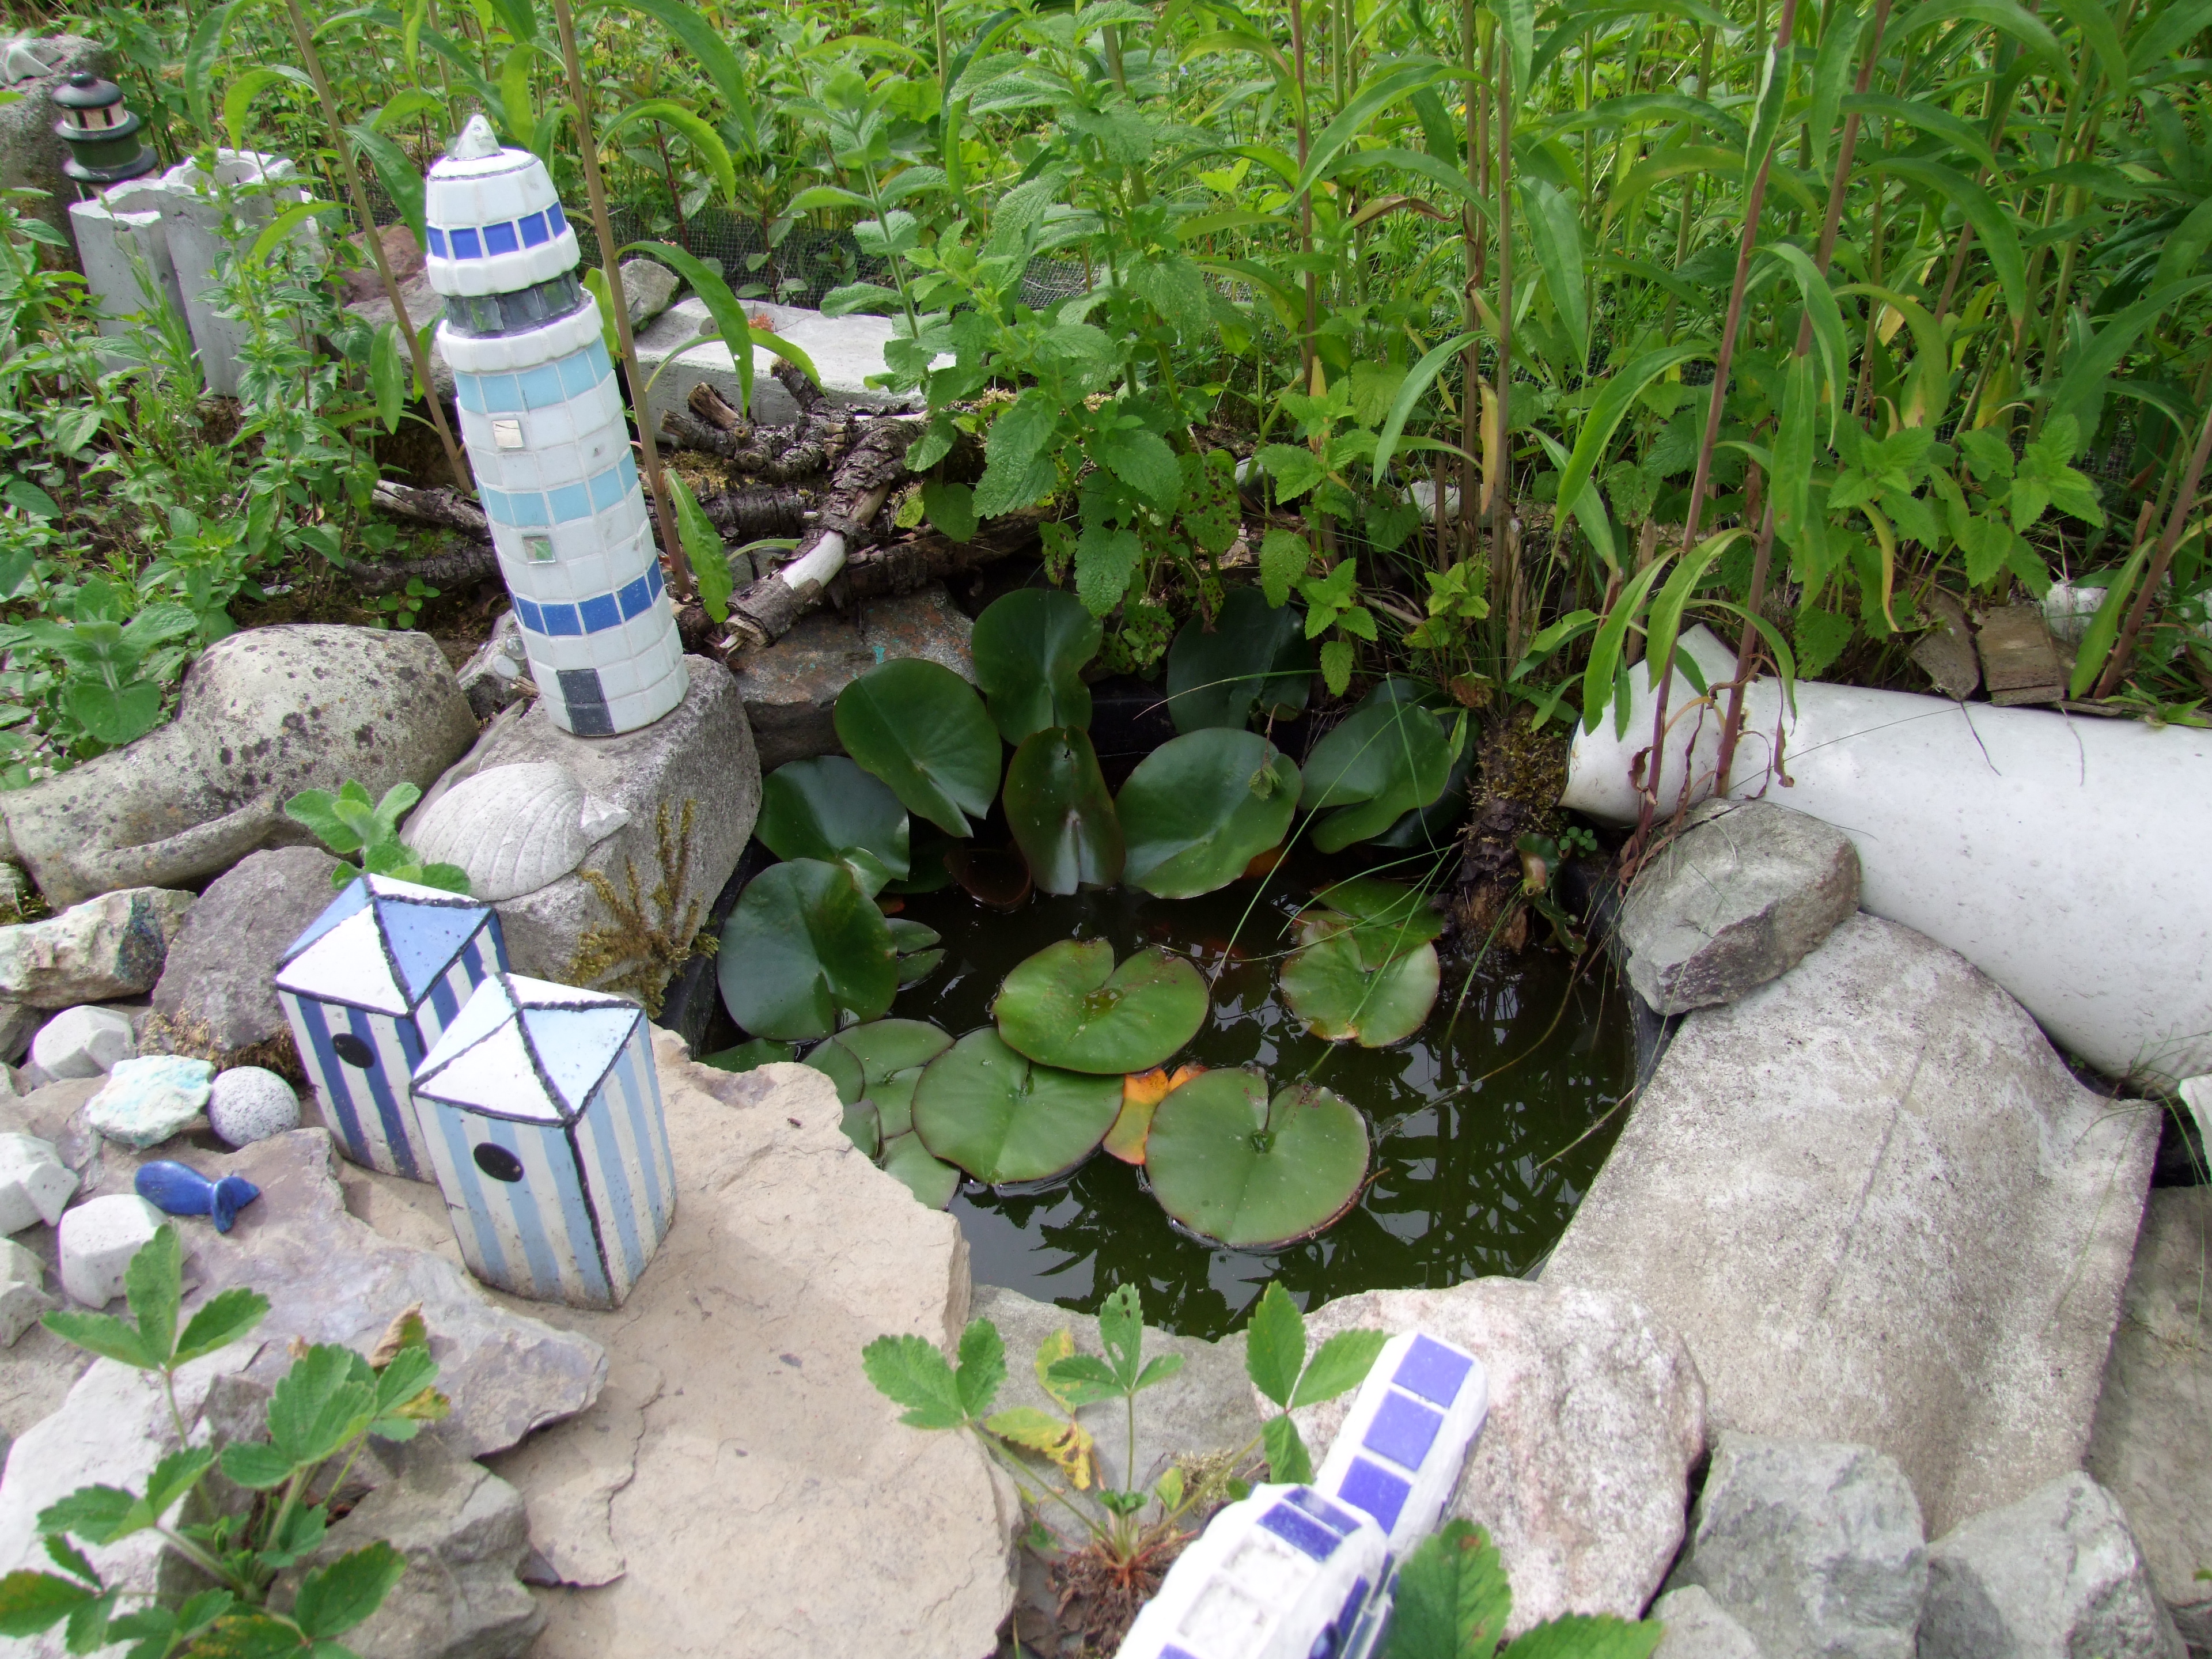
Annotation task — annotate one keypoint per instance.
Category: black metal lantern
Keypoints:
(102, 136)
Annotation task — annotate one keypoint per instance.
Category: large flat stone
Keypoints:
(2153, 1445)
(1596, 1414)
(755, 1492)
(1736, 898)
(104, 949)
(1879, 1209)
(218, 986)
(699, 756)
(791, 689)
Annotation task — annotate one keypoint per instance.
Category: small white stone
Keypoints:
(98, 1238)
(83, 1041)
(147, 1100)
(248, 1104)
(23, 1293)
(34, 1183)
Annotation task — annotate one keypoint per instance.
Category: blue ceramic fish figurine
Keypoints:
(180, 1190)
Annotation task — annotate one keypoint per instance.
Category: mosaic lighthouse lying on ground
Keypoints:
(542, 417)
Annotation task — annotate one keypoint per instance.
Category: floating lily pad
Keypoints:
(861, 1056)
(1329, 986)
(925, 870)
(1254, 657)
(1201, 807)
(992, 876)
(921, 729)
(918, 958)
(1069, 1005)
(1029, 648)
(917, 966)
(1382, 760)
(803, 944)
(1435, 826)
(1141, 1094)
(1254, 1176)
(1005, 1119)
(929, 1180)
(1061, 812)
(863, 1128)
(828, 808)
(1387, 920)
(894, 1098)
(746, 1055)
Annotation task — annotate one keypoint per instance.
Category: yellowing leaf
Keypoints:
(1063, 1440)
(1142, 1094)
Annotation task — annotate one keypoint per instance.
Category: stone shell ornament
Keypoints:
(513, 828)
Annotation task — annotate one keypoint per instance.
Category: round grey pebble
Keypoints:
(250, 1104)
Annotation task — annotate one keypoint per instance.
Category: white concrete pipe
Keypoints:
(2063, 856)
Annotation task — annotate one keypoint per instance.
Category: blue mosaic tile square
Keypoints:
(500, 396)
(600, 611)
(560, 220)
(577, 374)
(467, 245)
(652, 575)
(1403, 1431)
(628, 468)
(570, 501)
(1171, 1651)
(596, 351)
(1432, 1371)
(1375, 1489)
(527, 609)
(560, 619)
(438, 242)
(424, 938)
(607, 489)
(470, 391)
(541, 387)
(1301, 1532)
(1340, 1521)
(534, 232)
(527, 507)
(501, 238)
(634, 598)
(494, 504)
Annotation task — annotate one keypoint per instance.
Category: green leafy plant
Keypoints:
(322, 1412)
(1454, 1600)
(348, 822)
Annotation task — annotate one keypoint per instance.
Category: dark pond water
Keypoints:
(1471, 1119)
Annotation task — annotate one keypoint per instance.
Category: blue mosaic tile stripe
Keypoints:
(1402, 1430)
(541, 387)
(596, 614)
(482, 241)
(528, 509)
(1432, 1371)
(1301, 1532)
(1375, 1489)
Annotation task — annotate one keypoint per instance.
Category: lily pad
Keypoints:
(746, 1055)
(1225, 1162)
(1328, 985)
(921, 729)
(929, 1180)
(1030, 648)
(1435, 827)
(1061, 812)
(1387, 920)
(1382, 760)
(828, 808)
(926, 866)
(863, 1128)
(894, 1098)
(805, 944)
(861, 1056)
(1200, 807)
(1141, 1094)
(1005, 1119)
(1069, 1005)
(1254, 657)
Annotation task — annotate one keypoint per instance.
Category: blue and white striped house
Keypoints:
(544, 1123)
(368, 988)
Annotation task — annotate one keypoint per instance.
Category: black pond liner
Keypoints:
(1470, 1179)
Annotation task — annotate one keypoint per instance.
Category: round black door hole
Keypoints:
(498, 1162)
(352, 1050)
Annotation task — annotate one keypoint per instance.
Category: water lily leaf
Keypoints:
(1254, 657)
(1004, 1119)
(1200, 807)
(746, 1055)
(893, 1099)
(918, 965)
(932, 1181)
(863, 1128)
(1329, 986)
(828, 808)
(803, 944)
(912, 936)
(921, 729)
(1029, 648)
(1069, 1005)
(1226, 1163)
(1141, 1094)
(1000, 879)
(1388, 919)
(1382, 760)
(884, 1048)
(1061, 812)
(926, 866)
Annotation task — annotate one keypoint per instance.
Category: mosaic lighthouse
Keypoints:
(542, 417)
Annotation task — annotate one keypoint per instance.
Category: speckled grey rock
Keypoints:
(1813, 1547)
(701, 752)
(2055, 1576)
(249, 1104)
(217, 986)
(263, 715)
(647, 287)
(1736, 898)
(82, 1042)
(791, 689)
(1699, 1627)
(104, 949)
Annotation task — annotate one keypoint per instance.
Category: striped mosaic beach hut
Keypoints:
(545, 1128)
(368, 988)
